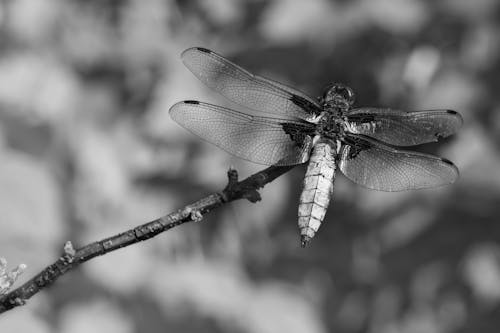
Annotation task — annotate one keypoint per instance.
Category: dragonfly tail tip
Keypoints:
(304, 240)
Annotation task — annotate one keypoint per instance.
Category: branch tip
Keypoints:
(7, 279)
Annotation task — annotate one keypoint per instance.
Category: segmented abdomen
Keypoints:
(318, 188)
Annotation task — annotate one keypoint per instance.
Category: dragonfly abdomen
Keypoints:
(318, 189)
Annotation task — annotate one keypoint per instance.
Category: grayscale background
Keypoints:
(87, 150)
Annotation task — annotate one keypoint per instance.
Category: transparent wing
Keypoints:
(244, 88)
(402, 128)
(380, 167)
(261, 140)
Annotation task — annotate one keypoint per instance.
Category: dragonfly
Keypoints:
(283, 126)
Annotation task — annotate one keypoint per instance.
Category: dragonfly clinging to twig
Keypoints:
(328, 133)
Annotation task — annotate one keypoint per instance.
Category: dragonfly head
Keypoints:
(338, 95)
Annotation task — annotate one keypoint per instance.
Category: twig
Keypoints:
(245, 189)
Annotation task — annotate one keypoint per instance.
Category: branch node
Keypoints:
(107, 244)
(192, 213)
(69, 250)
(253, 196)
(196, 216)
(19, 301)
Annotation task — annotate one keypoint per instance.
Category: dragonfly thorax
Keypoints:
(330, 123)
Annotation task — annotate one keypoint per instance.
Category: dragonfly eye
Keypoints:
(339, 95)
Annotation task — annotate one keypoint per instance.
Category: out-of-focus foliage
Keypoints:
(87, 149)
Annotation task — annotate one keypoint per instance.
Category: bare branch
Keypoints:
(245, 189)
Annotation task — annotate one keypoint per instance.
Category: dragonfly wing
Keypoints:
(377, 166)
(244, 88)
(262, 140)
(402, 128)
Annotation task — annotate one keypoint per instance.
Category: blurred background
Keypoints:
(87, 150)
